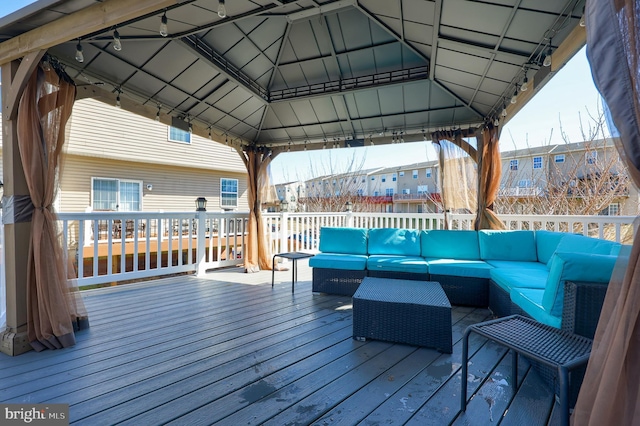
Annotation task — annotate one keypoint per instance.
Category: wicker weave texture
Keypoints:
(499, 300)
(582, 306)
(403, 311)
(336, 281)
(464, 291)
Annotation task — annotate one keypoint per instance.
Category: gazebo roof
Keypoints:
(291, 73)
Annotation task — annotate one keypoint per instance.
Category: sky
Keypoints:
(565, 102)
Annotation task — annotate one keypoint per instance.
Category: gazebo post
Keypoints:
(13, 340)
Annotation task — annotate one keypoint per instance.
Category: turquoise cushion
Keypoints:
(518, 265)
(352, 262)
(402, 242)
(530, 301)
(509, 278)
(573, 243)
(507, 245)
(449, 244)
(574, 267)
(343, 240)
(546, 244)
(413, 264)
(459, 267)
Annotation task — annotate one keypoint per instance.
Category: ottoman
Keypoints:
(403, 311)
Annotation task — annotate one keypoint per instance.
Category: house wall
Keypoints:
(174, 188)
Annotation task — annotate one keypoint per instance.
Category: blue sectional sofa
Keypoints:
(526, 272)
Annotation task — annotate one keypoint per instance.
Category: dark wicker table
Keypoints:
(555, 348)
(403, 311)
(294, 256)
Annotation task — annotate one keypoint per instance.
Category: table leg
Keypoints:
(293, 274)
(273, 268)
(465, 361)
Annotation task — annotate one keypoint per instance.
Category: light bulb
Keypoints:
(117, 45)
(222, 11)
(504, 110)
(79, 55)
(496, 122)
(514, 98)
(582, 21)
(164, 31)
(525, 84)
(547, 58)
(118, 101)
(158, 115)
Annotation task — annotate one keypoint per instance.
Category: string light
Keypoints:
(79, 54)
(158, 113)
(547, 59)
(117, 44)
(118, 105)
(514, 98)
(504, 110)
(222, 11)
(525, 83)
(164, 30)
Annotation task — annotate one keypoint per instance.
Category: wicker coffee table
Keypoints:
(403, 311)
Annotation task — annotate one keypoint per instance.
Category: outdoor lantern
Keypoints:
(201, 204)
(284, 206)
(349, 206)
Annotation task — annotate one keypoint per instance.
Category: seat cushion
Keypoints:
(507, 245)
(510, 278)
(546, 244)
(459, 267)
(394, 241)
(450, 244)
(352, 262)
(343, 240)
(413, 264)
(530, 301)
(574, 267)
(518, 265)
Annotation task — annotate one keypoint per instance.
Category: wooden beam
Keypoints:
(19, 82)
(88, 20)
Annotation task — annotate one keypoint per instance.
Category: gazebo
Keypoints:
(265, 77)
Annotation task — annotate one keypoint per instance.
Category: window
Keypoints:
(177, 135)
(394, 177)
(383, 178)
(614, 209)
(116, 194)
(415, 174)
(537, 162)
(363, 180)
(513, 165)
(389, 192)
(401, 174)
(559, 158)
(228, 193)
(428, 172)
(360, 192)
(406, 191)
(376, 193)
(373, 178)
(591, 157)
(524, 183)
(423, 189)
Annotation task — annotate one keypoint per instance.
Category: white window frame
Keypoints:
(428, 172)
(383, 178)
(614, 209)
(228, 206)
(414, 174)
(559, 158)
(406, 191)
(539, 165)
(591, 157)
(524, 183)
(118, 181)
(401, 174)
(187, 134)
(388, 192)
(394, 177)
(513, 165)
(423, 189)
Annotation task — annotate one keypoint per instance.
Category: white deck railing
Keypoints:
(119, 246)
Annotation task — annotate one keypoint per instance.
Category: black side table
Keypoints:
(294, 256)
(542, 343)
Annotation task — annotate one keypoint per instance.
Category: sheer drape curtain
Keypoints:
(610, 393)
(54, 306)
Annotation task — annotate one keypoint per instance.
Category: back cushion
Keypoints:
(546, 244)
(394, 241)
(573, 243)
(507, 245)
(343, 240)
(449, 244)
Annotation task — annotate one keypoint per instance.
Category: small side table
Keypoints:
(294, 256)
(547, 345)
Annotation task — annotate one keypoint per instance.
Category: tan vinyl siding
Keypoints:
(174, 188)
(103, 131)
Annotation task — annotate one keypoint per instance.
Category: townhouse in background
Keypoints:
(119, 161)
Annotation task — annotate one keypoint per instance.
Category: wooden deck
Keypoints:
(229, 349)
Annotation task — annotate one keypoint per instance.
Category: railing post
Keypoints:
(349, 218)
(88, 240)
(284, 232)
(200, 249)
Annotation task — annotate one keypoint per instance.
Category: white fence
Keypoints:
(118, 246)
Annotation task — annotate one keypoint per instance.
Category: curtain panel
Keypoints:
(54, 305)
(490, 173)
(610, 394)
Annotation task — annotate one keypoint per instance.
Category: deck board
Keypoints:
(230, 349)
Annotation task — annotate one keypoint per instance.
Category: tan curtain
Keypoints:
(54, 307)
(490, 172)
(610, 393)
(258, 255)
(458, 173)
